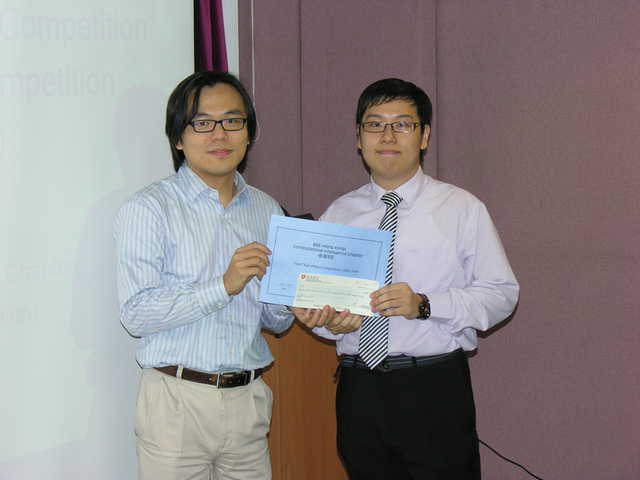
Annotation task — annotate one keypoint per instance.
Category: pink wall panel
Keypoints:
(539, 107)
(275, 161)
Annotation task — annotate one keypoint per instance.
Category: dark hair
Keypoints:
(184, 102)
(390, 89)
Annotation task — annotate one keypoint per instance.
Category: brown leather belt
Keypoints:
(220, 380)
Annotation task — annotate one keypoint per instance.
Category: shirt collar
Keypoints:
(193, 185)
(409, 190)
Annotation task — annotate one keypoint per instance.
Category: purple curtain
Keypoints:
(210, 45)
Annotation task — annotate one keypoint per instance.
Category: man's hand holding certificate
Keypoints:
(316, 264)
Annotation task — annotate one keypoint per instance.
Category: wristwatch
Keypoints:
(424, 309)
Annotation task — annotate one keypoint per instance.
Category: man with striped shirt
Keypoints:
(190, 255)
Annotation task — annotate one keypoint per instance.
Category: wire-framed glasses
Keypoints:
(397, 127)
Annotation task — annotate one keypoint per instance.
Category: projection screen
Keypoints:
(83, 89)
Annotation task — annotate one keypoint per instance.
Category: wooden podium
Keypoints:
(302, 440)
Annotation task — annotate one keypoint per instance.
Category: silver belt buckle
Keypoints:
(230, 375)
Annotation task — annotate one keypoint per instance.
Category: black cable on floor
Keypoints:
(510, 461)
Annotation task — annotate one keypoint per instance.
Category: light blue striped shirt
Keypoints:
(174, 241)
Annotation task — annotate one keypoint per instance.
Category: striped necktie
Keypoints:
(374, 333)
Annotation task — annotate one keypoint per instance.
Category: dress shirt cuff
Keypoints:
(324, 333)
(441, 307)
(278, 318)
(211, 295)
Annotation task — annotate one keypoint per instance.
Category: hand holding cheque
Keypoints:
(343, 322)
(318, 268)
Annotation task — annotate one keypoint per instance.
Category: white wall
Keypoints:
(230, 14)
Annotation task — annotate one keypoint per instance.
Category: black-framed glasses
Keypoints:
(228, 125)
(397, 127)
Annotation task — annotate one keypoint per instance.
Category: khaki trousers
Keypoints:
(187, 430)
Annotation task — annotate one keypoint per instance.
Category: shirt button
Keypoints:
(231, 350)
(220, 304)
(231, 317)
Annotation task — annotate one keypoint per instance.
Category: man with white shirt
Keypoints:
(410, 413)
(190, 253)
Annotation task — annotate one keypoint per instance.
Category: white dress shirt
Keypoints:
(446, 247)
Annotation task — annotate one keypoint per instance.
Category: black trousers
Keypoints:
(412, 423)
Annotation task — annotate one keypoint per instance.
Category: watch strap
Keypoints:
(424, 309)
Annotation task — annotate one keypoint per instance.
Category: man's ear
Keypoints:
(425, 137)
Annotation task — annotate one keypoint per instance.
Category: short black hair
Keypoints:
(390, 89)
(184, 102)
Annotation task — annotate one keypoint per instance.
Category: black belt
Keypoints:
(398, 361)
(220, 380)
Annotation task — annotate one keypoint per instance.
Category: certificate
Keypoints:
(317, 290)
(309, 247)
